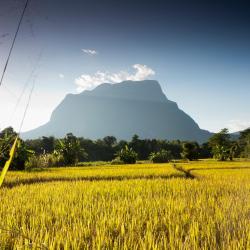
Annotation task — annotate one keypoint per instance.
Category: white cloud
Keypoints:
(61, 76)
(88, 82)
(238, 125)
(90, 52)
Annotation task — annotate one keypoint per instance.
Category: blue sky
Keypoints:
(199, 51)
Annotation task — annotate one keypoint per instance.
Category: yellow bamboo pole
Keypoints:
(7, 164)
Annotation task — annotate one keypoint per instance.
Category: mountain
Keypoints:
(121, 110)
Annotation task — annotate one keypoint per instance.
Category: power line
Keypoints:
(13, 148)
(14, 40)
(23, 118)
(27, 106)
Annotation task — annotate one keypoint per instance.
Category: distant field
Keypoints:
(95, 173)
(203, 205)
(216, 169)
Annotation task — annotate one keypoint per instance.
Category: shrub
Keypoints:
(71, 150)
(22, 153)
(127, 155)
(162, 156)
(44, 161)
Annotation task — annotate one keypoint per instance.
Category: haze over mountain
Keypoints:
(121, 110)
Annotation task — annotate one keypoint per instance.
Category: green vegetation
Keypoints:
(127, 155)
(221, 145)
(70, 150)
(138, 206)
(23, 153)
(190, 151)
(162, 156)
(44, 161)
(244, 143)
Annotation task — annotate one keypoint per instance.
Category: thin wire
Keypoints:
(24, 115)
(13, 42)
(27, 106)
(13, 148)
(23, 118)
(2, 151)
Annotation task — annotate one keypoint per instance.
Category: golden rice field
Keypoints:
(143, 206)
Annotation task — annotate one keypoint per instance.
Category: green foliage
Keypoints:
(44, 161)
(220, 152)
(100, 150)
(222, 147)
(127, 155)
(244, 143)
(70, 149)
(190, 151)
(144, 147)
(22, 153)
(205, 151)
(51, 152)
(48, 144)
(105, 149)
(161, 156)
(110, 141)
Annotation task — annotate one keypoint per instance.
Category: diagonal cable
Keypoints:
(13, 42)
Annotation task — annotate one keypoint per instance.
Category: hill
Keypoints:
(121, 110)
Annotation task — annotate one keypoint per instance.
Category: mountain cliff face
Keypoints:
(121, 110)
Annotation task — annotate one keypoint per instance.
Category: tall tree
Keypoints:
(190, 151)
(244, 143)
(221, 145)
(110, 140)
(48, 144)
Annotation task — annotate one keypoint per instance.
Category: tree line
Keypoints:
(70, 150)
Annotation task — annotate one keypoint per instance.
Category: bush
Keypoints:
(162, 156)
(44, 161)
(22, 153)
(127, 155)
(71, 150)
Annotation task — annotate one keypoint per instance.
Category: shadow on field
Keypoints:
(187, 173)
(90, 179)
